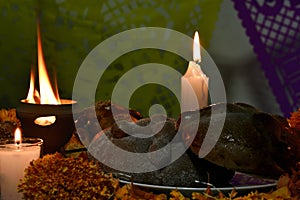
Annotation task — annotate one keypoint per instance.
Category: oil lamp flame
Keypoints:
(196, 48)
(46, 91)
(33, 95)
(46, 94)
(18, 137)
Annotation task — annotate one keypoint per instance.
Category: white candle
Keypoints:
(194, 83)
(14, 158)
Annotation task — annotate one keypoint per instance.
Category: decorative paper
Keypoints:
(274, 31)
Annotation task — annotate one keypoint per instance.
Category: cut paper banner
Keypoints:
(274, 31)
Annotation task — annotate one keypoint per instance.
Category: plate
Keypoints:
(242, 183)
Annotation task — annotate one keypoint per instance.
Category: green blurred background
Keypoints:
(71, 29)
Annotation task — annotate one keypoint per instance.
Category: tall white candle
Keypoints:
(14, 158)
(194, 83)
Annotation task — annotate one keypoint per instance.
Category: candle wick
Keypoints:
(18, 144)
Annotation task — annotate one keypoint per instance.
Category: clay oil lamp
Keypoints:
(43, 114)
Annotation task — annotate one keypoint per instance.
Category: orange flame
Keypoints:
(33, 95)
(46, 94)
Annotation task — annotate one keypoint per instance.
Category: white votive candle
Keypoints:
(14, 158)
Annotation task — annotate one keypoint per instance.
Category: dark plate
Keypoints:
(242, 183)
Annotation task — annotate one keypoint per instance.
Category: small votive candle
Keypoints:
(15, 157)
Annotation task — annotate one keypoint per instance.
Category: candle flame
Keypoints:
(18, 136)
(196, 48)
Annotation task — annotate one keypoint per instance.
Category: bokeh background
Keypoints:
(71, 29)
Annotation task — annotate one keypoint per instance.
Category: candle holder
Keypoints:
(13, 161)
(56, 134)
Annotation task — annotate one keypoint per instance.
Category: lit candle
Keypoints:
(194, 83)
(15, 156)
